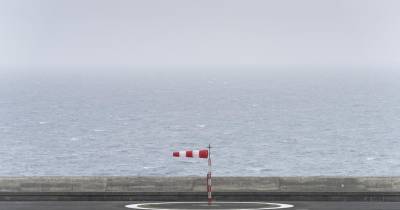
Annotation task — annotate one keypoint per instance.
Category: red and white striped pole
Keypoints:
(209, 189)
(200, 154)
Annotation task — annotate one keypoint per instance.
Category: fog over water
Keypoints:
(328, 123)
(278, 87)
(209, 33)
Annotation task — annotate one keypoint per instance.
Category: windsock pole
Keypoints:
(204, 153)
(209, 176)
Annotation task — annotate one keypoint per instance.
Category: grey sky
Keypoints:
(128, 33)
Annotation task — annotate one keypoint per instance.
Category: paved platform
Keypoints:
(206, 206)
(118, 205)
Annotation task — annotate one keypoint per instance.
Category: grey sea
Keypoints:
(276, 124)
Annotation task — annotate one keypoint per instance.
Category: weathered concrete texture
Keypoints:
(91, 205)
(197, 184)
(194, 188)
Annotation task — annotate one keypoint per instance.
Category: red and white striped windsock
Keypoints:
(192, 153)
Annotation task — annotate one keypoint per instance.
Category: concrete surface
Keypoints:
(197, 184)
(103, 205)
(193, 188)
(205, 205)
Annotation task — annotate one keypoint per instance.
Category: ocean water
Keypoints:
(289, 124)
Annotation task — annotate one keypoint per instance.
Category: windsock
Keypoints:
(192, 153)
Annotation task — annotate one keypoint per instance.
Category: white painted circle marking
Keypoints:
(276, 205)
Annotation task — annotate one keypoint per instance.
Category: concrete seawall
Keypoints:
(193, 188)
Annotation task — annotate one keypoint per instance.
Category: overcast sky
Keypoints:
(147, 33)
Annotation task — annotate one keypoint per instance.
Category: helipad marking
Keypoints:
(277, 205)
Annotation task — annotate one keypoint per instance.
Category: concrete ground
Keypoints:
(120, 205)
